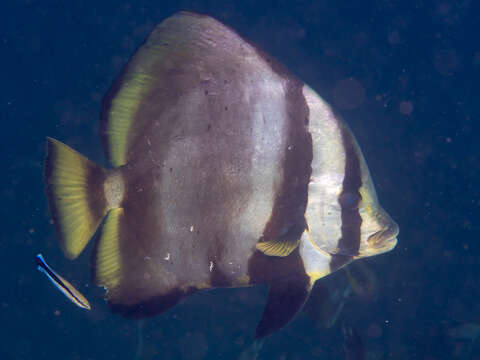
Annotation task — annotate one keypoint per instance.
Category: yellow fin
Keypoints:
(122, 112)
(276, 247)
(124, 99)
(108, 261)
(75, 196)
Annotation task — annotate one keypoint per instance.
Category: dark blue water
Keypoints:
(403, 74)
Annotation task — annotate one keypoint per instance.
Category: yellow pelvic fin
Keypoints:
(278, 247)
(74, 187)
(107, 257)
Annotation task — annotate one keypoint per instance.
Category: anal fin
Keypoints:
(285, 298)
(151, 307)
(107, 271)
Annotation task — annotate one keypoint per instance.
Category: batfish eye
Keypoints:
(349, 200)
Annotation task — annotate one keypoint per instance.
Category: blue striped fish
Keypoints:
(63, 285)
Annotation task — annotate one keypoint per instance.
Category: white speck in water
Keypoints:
(191, 228)
(211, 266)
(167, 257)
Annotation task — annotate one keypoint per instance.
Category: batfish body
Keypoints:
(227, 171)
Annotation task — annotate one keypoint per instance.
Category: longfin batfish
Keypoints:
(227, 171)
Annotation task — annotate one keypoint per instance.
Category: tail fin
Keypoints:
(76, 198)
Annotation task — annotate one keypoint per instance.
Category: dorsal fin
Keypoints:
(152, 80)
(123, 100)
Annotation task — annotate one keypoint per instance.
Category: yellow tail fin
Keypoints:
(74, 187)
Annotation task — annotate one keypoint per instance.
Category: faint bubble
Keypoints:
(446, 62)
(329, 52)
(394, 37)
(361, 39)
(443, 9)
(300, 33)
(405, 107)
(348, 94)
(403, 80)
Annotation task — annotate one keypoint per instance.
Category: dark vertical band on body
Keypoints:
(349, 200)
(287, 220)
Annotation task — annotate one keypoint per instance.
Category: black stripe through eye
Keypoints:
(349, 200)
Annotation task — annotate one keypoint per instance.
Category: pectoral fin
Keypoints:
(284, 243)
(285, 298)
(278, 247)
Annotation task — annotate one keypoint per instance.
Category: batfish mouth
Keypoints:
(385, 239)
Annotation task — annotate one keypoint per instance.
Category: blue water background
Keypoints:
(413, 106)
